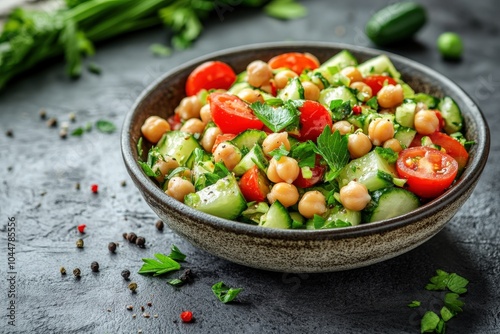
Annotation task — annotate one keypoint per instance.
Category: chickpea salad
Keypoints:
(295, 143)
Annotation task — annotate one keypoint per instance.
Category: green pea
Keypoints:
(450, 45)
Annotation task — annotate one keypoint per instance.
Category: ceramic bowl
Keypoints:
(303, 250)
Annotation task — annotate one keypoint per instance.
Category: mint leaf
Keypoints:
(161, 265)
(429, 322)
(176, 254)
(105, 126)
(285, 9)
(276, 118)
(333, 148)
(224, 293)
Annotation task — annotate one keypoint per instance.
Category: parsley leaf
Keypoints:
(333, 148)
(452, 302)
(340, 110)
(276, 118)
(176, 254)
(414, 304)
(372, 103)
(304, 153)
(457, 283)
(78, 131)
(161, 265)
(105, 126)
(224, 293)
(318, 221)
(429, 322)
(446, 314)
(279, 152)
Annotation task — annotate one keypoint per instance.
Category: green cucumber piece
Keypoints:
(372, 170)
(336, 93)
(249, 138)
(390, 202)
(405, 114)
(222, 199)
(342, 60)
(292, 91)
(379, 65)
(430, 101)
(276, 217)
(452, 115)
(405, 135)
(178, 145)
(397, 22)
(254, 157)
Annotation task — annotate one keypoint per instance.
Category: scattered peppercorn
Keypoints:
(63, 133)
(77, 272)
(72, 116)
(42, 113)
(159, 225)
(149, 304)
(77, 186)
(187, 316)
(142, 308)
(10, 168)
(187, 276)
(130, 307)
(123, 183)
(65, 125)
(134, 315)
(63, 271)
(94, 188)
(126, 274)
(156, 315)
(81, 228)
(140, 241)
(52, 122)
(146, 315)
(131, 237)
(112, 247)
(79, 243)
(132, 286)
(9, 133)
(94, 266)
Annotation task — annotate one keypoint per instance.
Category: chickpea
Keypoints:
(267, 88)
(272, 173)
(420, 106)
(206, 113)
(426, 122)
(358, 144)
(154, 127)
(178, 188)
(287, 169)
(193, 125)
(390, 96)
(274, 141)
(380, 130)
(312, 203)
(352, 73)
(284, 192)
(259, 73)
(228, 154)
(393, 144)
(311, 91)
(281, 78)
(344, 127)
(164, 165)
(363, 89)
(354, 196)
(189, 107)
(209, 137)
(250, 95)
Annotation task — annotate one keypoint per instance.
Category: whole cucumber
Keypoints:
(395, 23)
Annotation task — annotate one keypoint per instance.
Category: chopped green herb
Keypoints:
(88, 127)
(175, 282)
(176, 171)
(160, 50)
(333, 148)
(304, 153)
(457, 283)
(372, 103)
(176, 254)
(94, 68)
(159, 266)
(429, 322)
(446, 314)
(414, 304)
(340, 110)
(224, 293)
(77, 132)
(276, 118)
(388, 154)
(139, 148)
(453, 303)
(285, 9)
(318, 221)
(105, 126)
(279, 152)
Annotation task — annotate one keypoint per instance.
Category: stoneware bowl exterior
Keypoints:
(304, 250)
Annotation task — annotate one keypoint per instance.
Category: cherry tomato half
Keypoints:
(295, 61)
(317, 175)
(232, 114)
(376, 82)
(210, 75)
(254, 185)
(428, 171)
(452, 147)
(313, 119)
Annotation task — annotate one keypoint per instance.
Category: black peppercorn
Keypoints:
(112, 247)
(52, 122)
(42, 113)
(79, 243)
(131, 237)
(77, 272)
(94, 266)
(140, 241)
(9, 133)
(126, 274)
(125, 235)
(159, 225)
(132, 286)
(63, 271)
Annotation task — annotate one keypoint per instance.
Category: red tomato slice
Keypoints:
(222, 138)
(210, 75)
(254, 185)
(313, 119)
(232, 114)
(317, 175)
(428, 171)
(295, 61)
(376, 82)
(450, 145)
(174, 121)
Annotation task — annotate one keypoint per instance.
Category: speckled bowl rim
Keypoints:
(468, 178)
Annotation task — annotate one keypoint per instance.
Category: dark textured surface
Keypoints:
(39, 172)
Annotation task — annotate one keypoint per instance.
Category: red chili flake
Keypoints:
(94, 188)
(81, 228)
(356, 110)
(187, 316)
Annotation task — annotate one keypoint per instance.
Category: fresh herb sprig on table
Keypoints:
(30, 37)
